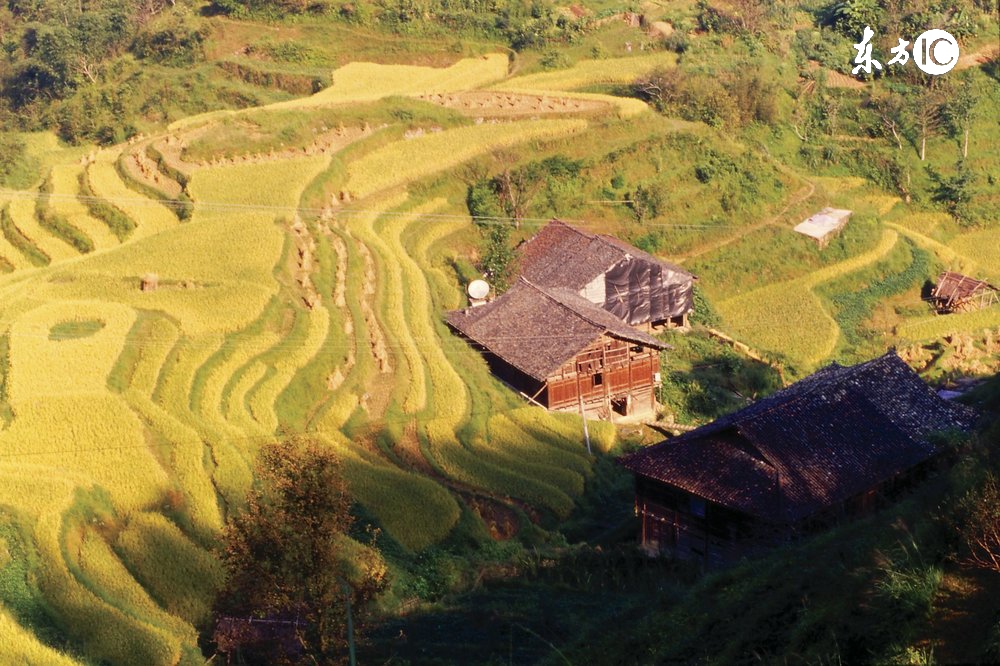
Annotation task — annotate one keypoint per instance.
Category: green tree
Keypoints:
(960, 111)
(284, 562)
(956, 192)
(498, 259)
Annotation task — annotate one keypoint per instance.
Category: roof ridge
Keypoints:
(556, 220)
(544, 292)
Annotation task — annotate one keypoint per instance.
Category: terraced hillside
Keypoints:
(299, 288)
(133, 415)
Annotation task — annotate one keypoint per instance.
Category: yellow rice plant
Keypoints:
(366, 81)
(185, 459)
(21, 647)
(103, 631)
(154, 347)
(97, 436)
(151, 217)
(983, 248)
(788, 317)
(951, 258)
(412, 508)
(506, 440)
(937, 327)
(180, 574)
(236, 410)
(627, 106)
(106, 576)
(406, 306)
(262, 399)
(229, 193)
(22, 212)
(341, 407)
(41, 367)
(837, 185)
(588, 73)
(793, 322)
(214, 383)
(65, 184)
(923, 222)
(11, 253)
(402, 162)
(205, 309)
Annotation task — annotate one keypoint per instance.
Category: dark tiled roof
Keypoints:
(953, 287)
(563, 256)
(537, 329)
(818, 442)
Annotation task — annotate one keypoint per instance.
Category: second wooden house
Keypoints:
(562, 351)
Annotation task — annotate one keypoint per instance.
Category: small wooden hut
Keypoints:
(835, 444)
(564, 352)
(824, 225)
(150, 282)
(955, 292)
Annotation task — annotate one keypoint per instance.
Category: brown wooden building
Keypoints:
(955, 292)
(633, 285)
(563, 351)
(832, 445)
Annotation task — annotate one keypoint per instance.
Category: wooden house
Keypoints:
(955, 292)
(562, 351)
(824, 225)
(834, 444)
(633, 285)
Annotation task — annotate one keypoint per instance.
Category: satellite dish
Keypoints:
(478, 290)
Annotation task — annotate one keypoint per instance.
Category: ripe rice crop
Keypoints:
(413, 509)
(180, 575)
(402, 162)
(366, 81)
(128, 207)
(21, 251)
(40, 366)
(587, 73)
(982, 247)
(65, 179)
(627, 106)
(952, 259)
(105, 575)
(285, 365)
(939, 326)
(794, 321)
(21, 647)
(22, 214)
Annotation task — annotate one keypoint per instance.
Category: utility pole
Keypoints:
(583, 413)
(350, 625)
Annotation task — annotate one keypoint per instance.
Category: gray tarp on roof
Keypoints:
(637, 286)
(641, 291)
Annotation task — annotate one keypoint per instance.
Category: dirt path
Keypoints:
(801, 195)
(978, 57)
(965, 612)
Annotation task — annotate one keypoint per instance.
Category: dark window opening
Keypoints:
(599, 379)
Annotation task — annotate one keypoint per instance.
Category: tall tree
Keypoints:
(961, 111)
(284, 598)
(516, 187)
(925, 110)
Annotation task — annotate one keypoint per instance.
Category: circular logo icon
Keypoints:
(935, 52)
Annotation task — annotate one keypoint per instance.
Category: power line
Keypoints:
(347, 211)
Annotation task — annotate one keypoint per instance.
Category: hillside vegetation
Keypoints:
(239, 220)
